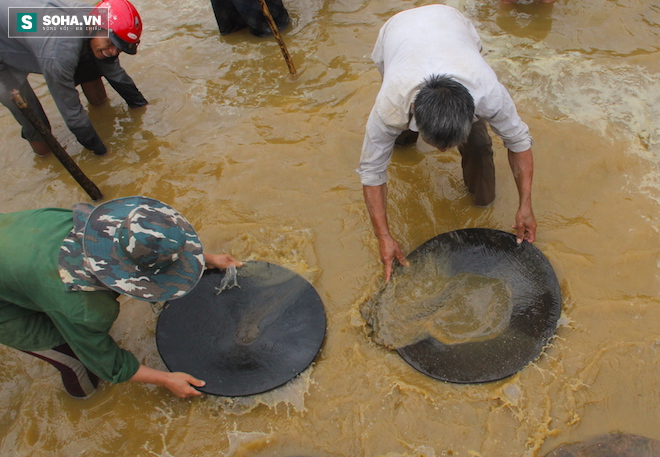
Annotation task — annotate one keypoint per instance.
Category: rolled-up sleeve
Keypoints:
(503, 118)
(377, 150)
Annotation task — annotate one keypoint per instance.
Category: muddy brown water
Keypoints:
(263, 167)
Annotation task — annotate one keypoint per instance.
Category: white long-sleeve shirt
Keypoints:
(413, 45)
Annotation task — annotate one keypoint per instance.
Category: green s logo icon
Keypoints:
(26, 22)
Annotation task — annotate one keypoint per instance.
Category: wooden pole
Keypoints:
(279, 39)
(56, 147)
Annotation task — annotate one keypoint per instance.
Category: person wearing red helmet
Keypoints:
(124, 24)
(66, 63)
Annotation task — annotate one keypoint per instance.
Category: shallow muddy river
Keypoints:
(263, 166)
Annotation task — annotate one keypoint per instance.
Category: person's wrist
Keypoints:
(210, 260)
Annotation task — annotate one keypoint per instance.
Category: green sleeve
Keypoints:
(88, 335)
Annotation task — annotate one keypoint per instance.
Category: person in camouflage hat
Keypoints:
(136, 246)
(61, 272)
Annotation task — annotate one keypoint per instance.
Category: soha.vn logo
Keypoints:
(28, 22)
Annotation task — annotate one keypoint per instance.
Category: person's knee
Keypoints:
(484, 199)
(94, 91)
(406, 138)
(40, 148)
(78, 381)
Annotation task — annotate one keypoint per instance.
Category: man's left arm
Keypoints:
(522, 167)
(501, 113)
(121, 82)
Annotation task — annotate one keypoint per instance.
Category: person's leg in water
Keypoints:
(255, 19)
(94, 91)
(88, 75)
(10, 80)
(478, 165)
(233, 15)
(227, 17)
(40, 148)
(78, 381)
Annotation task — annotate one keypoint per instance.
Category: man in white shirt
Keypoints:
(436, 84)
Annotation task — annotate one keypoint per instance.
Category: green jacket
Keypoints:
(36, 311)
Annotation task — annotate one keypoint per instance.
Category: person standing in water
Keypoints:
(61, 272)
(437, 85)
(234, 15)
(66, 63)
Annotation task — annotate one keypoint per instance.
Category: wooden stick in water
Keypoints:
(56, 147)
(278, 37)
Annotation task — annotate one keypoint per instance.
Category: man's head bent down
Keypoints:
(444, 111)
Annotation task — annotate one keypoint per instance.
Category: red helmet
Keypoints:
(124, 24)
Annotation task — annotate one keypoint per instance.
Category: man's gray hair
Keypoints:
(444, 111)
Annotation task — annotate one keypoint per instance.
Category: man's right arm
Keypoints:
(377, 150)
(180, 384)
(376, 199)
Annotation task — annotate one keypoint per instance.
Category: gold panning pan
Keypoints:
(473, 306)
(243, 340)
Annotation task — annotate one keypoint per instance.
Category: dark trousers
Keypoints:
(78, 381)
(478, 165)
(233, 15)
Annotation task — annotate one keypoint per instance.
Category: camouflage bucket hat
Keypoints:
(143, 248)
